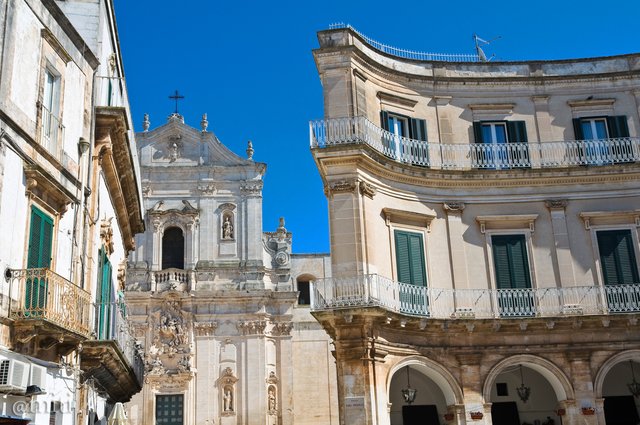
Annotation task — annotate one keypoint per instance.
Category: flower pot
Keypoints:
(476, 415)
(448, 416)
(588, 411)
(561, 412)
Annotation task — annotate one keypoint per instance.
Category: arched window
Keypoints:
(173, 249)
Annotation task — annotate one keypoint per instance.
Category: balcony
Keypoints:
(51, 314)
(172, 279)
(377, 291)
(112, 358)
(466, 156)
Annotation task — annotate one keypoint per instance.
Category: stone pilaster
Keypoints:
(455, 229)
(471, 378)
(346, 239)
(561, 239)
(583, 386)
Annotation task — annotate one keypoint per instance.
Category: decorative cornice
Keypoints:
(594, 218)
(116, 160)
(493, 107)
(391, 98)
(400, 216)
(515, 221)
(591, 103)
(55, 44)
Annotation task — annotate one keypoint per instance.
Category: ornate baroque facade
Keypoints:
(226, 338)
(484, 236)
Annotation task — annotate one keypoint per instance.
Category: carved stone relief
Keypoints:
(227, 384)
(106, 234)
(252, 327)
(170, 349)
(278, 245)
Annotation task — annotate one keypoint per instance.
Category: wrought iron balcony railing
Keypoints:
(374, 290)
(465, 156)
(45, 295)
(111, 324)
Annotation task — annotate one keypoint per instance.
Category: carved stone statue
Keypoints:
(227, 229)
(228, 400)
(173, 152)
(272, 398)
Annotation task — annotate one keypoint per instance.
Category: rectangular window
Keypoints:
(169, 409)
(402, 128)
(617, 257)
(410, 261)
(603, 140)
(500, 144)
(51, 111)
(513, 278)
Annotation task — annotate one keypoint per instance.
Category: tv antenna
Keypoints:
(480, 42)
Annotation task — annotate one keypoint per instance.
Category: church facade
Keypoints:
(221, 308)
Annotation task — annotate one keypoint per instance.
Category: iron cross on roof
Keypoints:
(176, 97)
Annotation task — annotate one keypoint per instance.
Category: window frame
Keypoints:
(493, 125)
(527, 233)
(594, 229)
(424, 232)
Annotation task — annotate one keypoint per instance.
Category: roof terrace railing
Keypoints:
(377, 291)
(409, 54)
(464, 156)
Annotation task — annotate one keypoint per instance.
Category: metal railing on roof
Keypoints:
(409, 54)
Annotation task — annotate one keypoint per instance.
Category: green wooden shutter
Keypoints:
(40, 239)
(617, 126)
(410, 258)
(104, 296)
(577, 129)
(510, 261)
(38, 256)
(384, 120)
(477, 131)
(617, 256)
(517, 131)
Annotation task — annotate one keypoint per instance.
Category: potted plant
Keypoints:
(561, 412)
(476, 415)
(588, 411)
(448, 417)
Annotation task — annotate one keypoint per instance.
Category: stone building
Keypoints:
(214, 299)
(69, 208)
(484, 221)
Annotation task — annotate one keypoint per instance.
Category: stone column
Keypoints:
(455, 232)
(285, 394)
(561, 238)
(251, 234)
(472, 381)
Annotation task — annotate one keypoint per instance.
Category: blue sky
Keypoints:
(249, 66)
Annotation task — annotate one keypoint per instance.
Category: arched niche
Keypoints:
(173, 248)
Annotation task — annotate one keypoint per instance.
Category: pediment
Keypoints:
(178, 144)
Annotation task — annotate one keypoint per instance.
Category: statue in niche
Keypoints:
(227, 228)
(184, 365)
(228, 399)
(272, 398)
(173, 152)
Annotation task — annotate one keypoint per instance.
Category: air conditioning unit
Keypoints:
(38, 376)
(14, 375)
